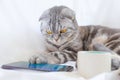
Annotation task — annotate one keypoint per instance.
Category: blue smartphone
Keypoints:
(39, 67)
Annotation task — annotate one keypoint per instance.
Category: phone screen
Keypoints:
(39, 67)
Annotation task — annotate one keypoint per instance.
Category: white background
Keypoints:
(19, 27)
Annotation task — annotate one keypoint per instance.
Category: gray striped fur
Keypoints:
(77, 38)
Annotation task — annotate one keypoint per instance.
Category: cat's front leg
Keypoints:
(38, 58)
(56, 57)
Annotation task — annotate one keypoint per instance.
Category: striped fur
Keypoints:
(108, 37)
(77, 38)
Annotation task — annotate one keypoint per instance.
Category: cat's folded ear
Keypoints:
(44, 15)
(67, 12)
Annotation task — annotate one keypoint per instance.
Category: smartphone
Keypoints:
(39, 67)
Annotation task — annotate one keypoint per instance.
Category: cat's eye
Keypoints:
(49, 32)
(63, 30)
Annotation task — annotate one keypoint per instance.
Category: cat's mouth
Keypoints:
(56, 39)
(57, 42)
(58, 45)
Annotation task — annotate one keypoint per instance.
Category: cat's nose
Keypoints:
(56, 37)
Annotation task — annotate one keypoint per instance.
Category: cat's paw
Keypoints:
(38, 59)
(115, 63)
(45, 58)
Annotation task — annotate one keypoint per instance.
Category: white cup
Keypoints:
(92, 63)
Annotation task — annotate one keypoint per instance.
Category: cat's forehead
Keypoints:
(57, 18)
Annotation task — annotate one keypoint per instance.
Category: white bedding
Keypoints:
(37, 75)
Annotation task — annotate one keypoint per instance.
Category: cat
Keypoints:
(64, 37)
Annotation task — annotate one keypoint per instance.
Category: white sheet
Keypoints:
(38, 75)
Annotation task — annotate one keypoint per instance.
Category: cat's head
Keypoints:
(58, 24)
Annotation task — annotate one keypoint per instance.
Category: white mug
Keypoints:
(92, 63)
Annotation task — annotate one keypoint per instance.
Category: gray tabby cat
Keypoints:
(64, 38)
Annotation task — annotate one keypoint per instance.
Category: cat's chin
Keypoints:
(57, 42)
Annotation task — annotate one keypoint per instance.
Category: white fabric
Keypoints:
(98, 12)
(34, 75)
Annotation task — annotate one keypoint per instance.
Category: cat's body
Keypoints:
(64, 38)
(93, 35)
